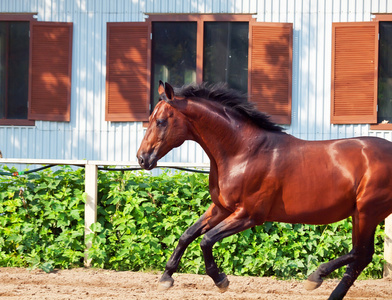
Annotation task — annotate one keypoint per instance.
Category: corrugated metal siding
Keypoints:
(88, 136)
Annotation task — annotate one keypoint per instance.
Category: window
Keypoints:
(173, 54)
(384, 115)
(35, 70)
(226, 54)
(14, 67)
(361, 73)
(182, 49)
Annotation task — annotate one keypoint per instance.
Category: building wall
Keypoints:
(89, 136)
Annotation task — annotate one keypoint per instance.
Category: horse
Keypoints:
(260, 173)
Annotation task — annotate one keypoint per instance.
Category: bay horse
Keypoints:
(259, 173)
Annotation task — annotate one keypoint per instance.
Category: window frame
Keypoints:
(380, 18)
(199, 19)
(261, 96)
(24, 17)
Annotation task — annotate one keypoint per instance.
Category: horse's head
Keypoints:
(167, 129)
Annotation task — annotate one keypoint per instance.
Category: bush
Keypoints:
(140, 219)
(42, 219)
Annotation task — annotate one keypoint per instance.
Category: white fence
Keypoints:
(91, 190)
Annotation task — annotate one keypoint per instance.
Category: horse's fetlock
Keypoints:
(166, 277)
(322, 270)
(211, 270)
(171, 267)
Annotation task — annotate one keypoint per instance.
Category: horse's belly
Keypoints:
(325, 215)
(320, 204)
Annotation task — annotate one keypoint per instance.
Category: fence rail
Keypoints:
(91, 190)
(91, 177)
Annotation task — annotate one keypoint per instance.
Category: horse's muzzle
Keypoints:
(146, 161)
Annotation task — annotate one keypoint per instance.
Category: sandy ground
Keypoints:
(103, 284)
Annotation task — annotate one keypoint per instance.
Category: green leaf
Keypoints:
(96, 227)
(47, 267)
(169, 240)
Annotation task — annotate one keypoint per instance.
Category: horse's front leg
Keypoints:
(236, 222)
(213, 216)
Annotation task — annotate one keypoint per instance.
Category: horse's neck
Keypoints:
(219, 131)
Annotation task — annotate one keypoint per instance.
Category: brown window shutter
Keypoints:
(270, 71)
(50, 63)
(354, 72)
(127, 67)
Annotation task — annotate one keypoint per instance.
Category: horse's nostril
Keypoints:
(141, 161)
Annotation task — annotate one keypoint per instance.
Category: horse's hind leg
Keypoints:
(208, 220)
(360, 255)
(363, 241)
(315, 279)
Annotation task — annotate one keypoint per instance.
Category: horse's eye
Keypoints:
(161, 122)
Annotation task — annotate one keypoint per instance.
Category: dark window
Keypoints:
(226, 54)
(14, 68)
(385, 73)
(173, 54)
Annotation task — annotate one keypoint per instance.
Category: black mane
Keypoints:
(230, 98)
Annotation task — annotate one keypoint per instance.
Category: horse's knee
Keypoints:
(206, 243)
(184, 240)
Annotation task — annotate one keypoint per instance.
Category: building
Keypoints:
(78, 78)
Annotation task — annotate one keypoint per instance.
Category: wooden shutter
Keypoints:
(50, 67)
(127, 67)
(270, 71)
(354, 72)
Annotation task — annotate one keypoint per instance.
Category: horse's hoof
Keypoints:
(165, 285)
(311, 285)
(223, 285)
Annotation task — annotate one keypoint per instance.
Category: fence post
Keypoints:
(388, 247)
(90, 208)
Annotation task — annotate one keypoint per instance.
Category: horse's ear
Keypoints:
(169, 91)
(166, 92)
(161, 90)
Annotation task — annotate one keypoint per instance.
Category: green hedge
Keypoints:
(140, 218)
